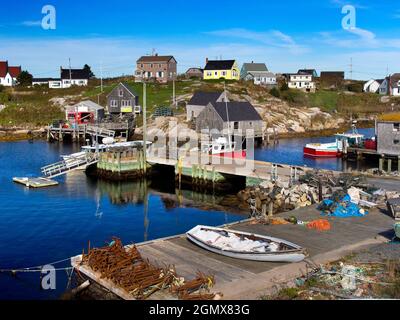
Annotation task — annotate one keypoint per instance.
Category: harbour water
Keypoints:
(290, 151)
(45, 225)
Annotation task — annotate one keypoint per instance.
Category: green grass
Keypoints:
(325, 100)
(29, 114)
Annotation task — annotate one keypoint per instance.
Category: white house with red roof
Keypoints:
(8, 74)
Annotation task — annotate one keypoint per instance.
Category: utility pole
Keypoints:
(70, 73)
(144, 128)
(173, 94)
(351, 68)
(101, 76)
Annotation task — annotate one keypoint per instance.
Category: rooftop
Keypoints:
(255, 67)
(219, 65)
(237, 111)
(201, 98)
(155, 58)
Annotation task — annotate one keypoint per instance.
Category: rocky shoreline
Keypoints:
(18, 134)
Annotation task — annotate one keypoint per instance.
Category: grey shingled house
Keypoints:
(200, 100)
(123, 99)
(241, 116)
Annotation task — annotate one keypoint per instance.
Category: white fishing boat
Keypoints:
(245, 246)
(223, 148)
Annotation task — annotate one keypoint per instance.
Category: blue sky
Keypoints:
(287, 35)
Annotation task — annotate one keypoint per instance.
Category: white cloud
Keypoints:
(358, 38)
(274, 38)
(118, 55)
(36, 23)
(342, 3)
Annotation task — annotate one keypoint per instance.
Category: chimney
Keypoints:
(206, 60)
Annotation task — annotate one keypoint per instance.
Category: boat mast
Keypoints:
(227, 117)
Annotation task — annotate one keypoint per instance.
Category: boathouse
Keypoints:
(388, 137)
(84, 112)
(237, 117)
(200, 100)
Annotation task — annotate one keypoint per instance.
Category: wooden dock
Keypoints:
(240, 279)
(35, 182)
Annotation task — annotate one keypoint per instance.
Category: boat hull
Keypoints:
(293, 256)
(321, 153)
(234, 154)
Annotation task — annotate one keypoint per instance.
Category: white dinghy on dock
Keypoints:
(246, 246)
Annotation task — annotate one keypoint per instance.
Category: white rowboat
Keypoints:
(246, 246)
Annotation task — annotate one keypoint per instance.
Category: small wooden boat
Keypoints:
(245, 246)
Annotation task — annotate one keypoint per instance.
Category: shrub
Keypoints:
(355, 87)
(295, 96)
(275, 92)
(284, 87)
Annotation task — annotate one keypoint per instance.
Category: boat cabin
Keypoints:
(219, 146)
(351, 139)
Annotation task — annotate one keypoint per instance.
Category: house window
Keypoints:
(236, 125)
(141, 65)
(251, 124)
(216, 73)
(151, 65)
(396, 127)
(125, 103)
(121, 93)
(209, 74)
(397, 141)
(114, 103)
(224, 73)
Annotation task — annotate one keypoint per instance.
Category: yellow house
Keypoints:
(221, 69)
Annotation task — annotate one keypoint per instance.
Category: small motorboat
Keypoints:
(221, 147)
(245, 246)
(325, 150)
(334, 149)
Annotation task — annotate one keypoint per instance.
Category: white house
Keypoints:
(391, 85)
(41, 81)
(258, 73)
(74, 77)
(373, 85)
(262, 78)
(8, 74)
(301, 81)
(69, 77)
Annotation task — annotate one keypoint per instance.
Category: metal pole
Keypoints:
(144, 128)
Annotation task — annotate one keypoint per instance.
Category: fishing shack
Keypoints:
(84, 112)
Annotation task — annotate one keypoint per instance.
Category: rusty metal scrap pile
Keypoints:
(127, 269)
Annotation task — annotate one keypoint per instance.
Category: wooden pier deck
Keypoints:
(240, 279)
